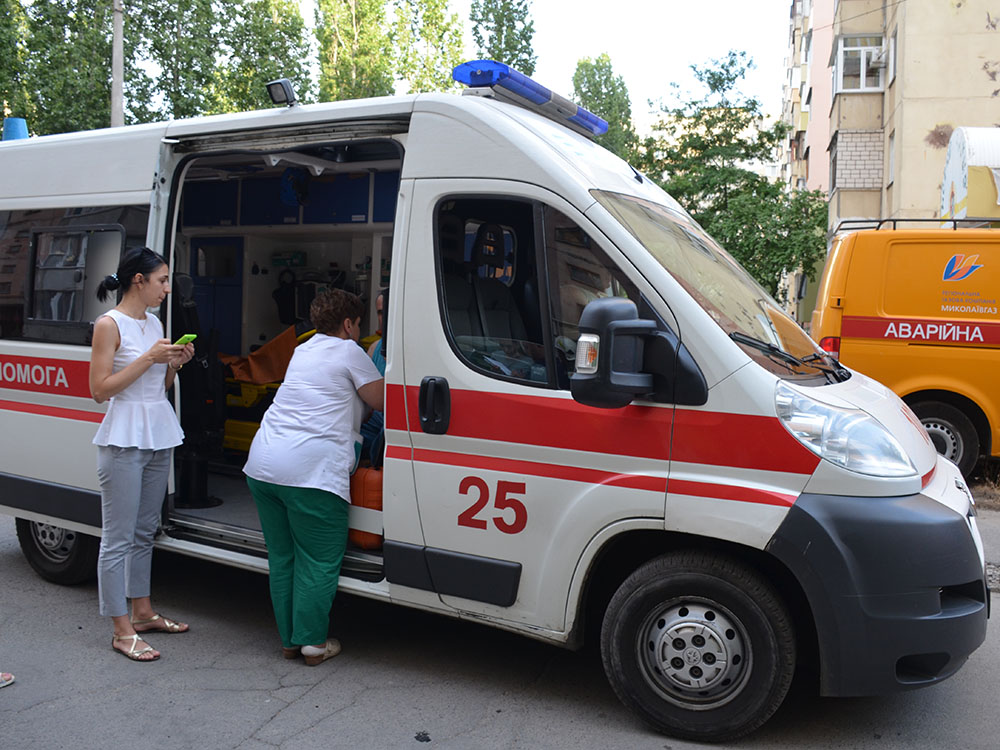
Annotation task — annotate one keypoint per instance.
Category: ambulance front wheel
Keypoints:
(57, 554)
(698, 645)
(952, 433)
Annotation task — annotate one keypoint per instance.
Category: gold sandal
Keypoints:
(133, 653)
(163, 624)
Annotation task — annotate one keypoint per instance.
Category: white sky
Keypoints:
(652, 43)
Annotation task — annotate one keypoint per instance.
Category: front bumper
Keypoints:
(896, 585)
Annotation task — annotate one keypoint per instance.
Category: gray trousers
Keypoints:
(133, 484)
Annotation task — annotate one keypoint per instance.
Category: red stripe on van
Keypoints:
(640, 431)
(66, 377)
(740, 440)
(552, 471)
(921, 330)
(52, 411)
(395, 407)
(399, 451)
(729, 492)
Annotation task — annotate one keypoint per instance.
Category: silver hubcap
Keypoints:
(945, 438)
(54, 543)
(695, 653)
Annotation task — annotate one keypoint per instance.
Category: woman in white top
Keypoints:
(299, 470)
(132, 365)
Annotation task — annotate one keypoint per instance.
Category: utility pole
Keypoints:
(117, 66)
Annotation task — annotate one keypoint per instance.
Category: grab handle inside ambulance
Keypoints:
(435, 405)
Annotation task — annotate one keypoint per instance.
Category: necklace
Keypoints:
(142, 323)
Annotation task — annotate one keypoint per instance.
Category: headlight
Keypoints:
(847, 437)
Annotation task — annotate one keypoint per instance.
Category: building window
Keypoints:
(833, 164)
(892, 57)
(859, 64)
(892, 158)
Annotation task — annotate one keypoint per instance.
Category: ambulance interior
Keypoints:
(257, 236)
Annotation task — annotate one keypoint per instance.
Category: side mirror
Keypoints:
(609, 354)
(619, 356)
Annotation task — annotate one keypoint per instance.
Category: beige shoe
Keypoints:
(315, 655)
(134, 652)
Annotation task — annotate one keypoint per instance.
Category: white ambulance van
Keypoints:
(593, 414)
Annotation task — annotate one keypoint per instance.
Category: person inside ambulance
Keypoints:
(373, 430)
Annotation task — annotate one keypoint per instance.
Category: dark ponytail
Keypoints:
(137, 260)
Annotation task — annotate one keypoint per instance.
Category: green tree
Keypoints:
(502, 31)
(598, 89)
(701, 153)
(265, 41)
(14, 100)
(177, 40)
(68, 65)
(428, 44)
(355, 57)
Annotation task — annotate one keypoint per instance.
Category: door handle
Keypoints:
(434, 405)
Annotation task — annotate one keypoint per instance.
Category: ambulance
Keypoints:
(595, 421)
(915, 307)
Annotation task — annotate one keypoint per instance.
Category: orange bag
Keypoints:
(366, 492)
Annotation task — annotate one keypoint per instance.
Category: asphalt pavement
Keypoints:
(406, 679)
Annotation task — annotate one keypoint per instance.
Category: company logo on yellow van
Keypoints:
(961, 267)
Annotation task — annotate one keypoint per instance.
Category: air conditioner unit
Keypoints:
(879, 59)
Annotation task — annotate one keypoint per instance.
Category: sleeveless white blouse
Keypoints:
(139, 416)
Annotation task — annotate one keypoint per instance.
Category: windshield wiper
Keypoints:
(836, 368)
(789, 360)
(768, 348)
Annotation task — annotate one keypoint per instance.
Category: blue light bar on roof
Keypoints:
(517, 88)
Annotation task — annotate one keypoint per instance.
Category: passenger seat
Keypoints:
(501, 318)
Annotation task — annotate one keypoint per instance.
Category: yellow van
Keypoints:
(917, 309)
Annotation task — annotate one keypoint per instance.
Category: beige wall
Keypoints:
(861, 16)
(854, 204)
(857, 112)
(948, 75)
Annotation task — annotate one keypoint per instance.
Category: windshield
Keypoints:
(720, 285)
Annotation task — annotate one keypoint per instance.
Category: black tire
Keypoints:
(58, 555)
(699, 645)
(952, 433)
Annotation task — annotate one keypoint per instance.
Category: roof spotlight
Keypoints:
(281, 92)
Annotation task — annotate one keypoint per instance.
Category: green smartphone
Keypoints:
(187, 338)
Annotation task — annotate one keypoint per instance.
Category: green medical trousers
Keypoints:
(306, 534)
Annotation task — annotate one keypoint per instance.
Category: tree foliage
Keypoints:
(68, 65)
(265, 40)
(427, 40)
(502, 31)
(355, 58)
(598, 89)
(177, 40)
(702, 151)
(14, 100)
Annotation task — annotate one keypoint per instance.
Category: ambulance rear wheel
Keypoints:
(952, 433)
(699, 646)
(57, 554)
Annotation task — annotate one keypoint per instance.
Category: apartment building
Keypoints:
(884, 83)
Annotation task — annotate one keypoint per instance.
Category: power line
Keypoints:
(860, 15)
